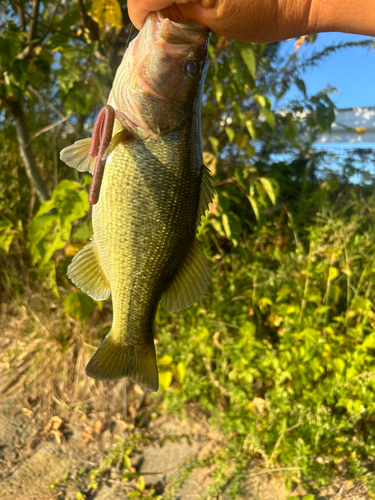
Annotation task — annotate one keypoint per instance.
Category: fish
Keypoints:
(151, 191)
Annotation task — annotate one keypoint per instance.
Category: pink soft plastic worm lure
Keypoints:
(100, 140)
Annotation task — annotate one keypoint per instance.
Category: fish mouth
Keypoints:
(179, 33)
(176, 38)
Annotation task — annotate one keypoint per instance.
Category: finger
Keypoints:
(138, 11)
(189, 13)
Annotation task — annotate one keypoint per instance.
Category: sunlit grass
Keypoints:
(43, 353)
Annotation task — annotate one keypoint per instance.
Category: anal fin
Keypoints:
(192, 277)
(189, 282)
(86, 272)
(207, 191)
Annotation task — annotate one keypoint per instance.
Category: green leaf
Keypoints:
(214, 143)
(78, 305)
(333, 273)
(6, 233)
(360, 303)
(5, 223)
(210, 161)
(126, 462)
(141, 483)
(251, 129)
(230, 133)
(334, 293)
(134, 494)
(83, 233)
(260, 99)
(269, 189)
(165, 379)
(165, 360)
(249, 58)
(263, 303)
(226, 226)
(369, 341)
(216, 224)
(6, 239)
(270, 117)
(107, 14)
(339, 365)
(41, 226)
(45, 206)
(351, 372)
(301, 85)
(219, 90)
(181, 371)
(254, 206)
(284, 291)
(321, 309)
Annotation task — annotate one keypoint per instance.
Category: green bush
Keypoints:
(280, 353)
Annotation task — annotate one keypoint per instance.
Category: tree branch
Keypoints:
(21, 15)
(27, 156)
(50, 23)
(46, 129)
(33, 21)
(32, 30)
(57, 30)
(88, 22)
(53, 108)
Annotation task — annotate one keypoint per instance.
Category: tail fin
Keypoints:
(113, 361)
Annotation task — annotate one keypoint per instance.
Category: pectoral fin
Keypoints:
(189, 282)
(77, 156)
(86, 272)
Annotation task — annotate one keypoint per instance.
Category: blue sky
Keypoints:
(352, 71)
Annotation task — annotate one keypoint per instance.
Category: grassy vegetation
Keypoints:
(280, 354)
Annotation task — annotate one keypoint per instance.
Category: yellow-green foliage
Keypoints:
(281, 351)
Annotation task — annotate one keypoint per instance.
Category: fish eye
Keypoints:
(192, 67)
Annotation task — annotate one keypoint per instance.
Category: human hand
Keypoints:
(263, 20)
(250, 20)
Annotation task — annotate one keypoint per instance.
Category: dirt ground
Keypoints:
(47, 455)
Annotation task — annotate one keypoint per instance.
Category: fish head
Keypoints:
(158, 85)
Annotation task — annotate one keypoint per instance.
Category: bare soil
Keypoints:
(49, 454)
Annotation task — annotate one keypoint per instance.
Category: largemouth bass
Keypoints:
(154, 191)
